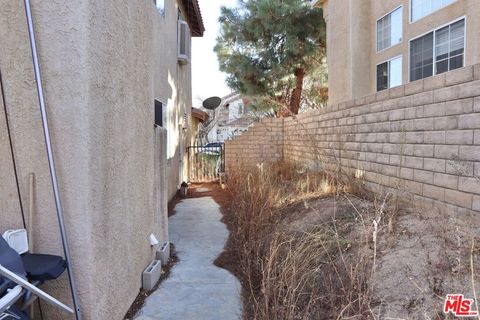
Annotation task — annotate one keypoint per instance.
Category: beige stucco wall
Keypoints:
(103, 63)
(351, 41)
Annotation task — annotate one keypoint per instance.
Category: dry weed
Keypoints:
(320, 271)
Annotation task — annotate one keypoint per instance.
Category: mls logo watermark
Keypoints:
(459, 306)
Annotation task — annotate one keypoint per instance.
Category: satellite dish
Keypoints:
(212, 103)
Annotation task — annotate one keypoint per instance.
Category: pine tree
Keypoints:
(268, 47)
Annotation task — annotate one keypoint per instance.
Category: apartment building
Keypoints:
(374, 45)
(117, 88)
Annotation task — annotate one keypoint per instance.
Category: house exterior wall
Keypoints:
(226, 127)
(351, 41)
(103, 63)
(421, 139)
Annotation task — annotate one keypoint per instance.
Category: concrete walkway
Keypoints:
(196, 288)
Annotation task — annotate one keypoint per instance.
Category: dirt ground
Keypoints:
(423, 256)
(429, 256)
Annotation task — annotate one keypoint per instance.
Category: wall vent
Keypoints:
(183, 42)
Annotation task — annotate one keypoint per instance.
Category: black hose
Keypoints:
(11, 150)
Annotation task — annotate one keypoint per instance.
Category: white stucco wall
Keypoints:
(103, 63)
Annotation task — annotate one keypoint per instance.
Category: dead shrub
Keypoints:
(319, 271)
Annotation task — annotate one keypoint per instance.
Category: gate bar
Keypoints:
(51, 162)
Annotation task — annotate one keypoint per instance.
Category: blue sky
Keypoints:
(207, 80)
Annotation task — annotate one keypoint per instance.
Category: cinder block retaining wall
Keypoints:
(422, 137)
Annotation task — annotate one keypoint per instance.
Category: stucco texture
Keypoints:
(103, 63)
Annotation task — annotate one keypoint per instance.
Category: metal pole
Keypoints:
(30, 287)
(51, 162)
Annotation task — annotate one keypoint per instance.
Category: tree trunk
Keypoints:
(297, 92)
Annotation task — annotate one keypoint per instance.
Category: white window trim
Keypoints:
(434, 49)
(384, 61)
(376, 30)
(410, 15)
(165, 125)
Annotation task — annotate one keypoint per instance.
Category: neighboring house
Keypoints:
(199, 117)
(232, 118)
(373, 45)
(105, 65)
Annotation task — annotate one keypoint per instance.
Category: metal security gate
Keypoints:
(206, 163)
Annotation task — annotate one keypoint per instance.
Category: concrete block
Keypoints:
(383, 158)
(459, 76)
(436, 165)
(476, 203)
(435, 82)
(397, 92)
(459, 106)
(424, 124)
(423, 176)
(396, 137)
(476, 104)
(391, 148)
(458, 198)
(445, 180)
(434, 110)
(476, 137)
(433, 192)
(414, 162)
(445, 94)
(459, 137)
(471, 153)
(460, 168)
(403, 102)
(445, 123)
(406, 173)
(445, 151)
(414, 187)
(395, 160)
(414, 137)
(389, 170)
(151, 275)
(467, 90)
(383, 137)
(163, 253)
(423, 150)
(411, 113)
(476, 72)
(407, 125)
(469, 121)
(421, 99)
(469, 184)
(383, 95)
(398, 114)
(435, 137)
(414, 87)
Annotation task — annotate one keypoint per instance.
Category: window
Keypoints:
(449, 47)
(160, 6)
(422, 8)
(439, 51)
(389, 74)
(161, 120)
(390, 29)
(421, 57)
